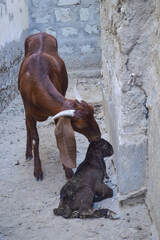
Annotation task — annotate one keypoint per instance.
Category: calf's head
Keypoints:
(101, 148)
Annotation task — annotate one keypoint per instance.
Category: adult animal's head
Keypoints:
(80, 119)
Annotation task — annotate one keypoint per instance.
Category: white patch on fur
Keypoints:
(27, 74)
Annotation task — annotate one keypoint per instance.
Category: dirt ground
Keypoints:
(26, 206)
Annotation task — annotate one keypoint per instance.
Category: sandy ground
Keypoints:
(26, 206)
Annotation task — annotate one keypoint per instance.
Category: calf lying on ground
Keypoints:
(86, 186)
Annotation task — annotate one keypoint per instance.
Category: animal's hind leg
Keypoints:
(82, 207)
(33, 138)
(83, 200)
(29, 141)
(102, 191)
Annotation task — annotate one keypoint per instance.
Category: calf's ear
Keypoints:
(66, 142)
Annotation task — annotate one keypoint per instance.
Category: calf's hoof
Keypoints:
(58, 211)
(67, 213)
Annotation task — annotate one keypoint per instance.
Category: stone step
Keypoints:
(87, 73)
(88, 85)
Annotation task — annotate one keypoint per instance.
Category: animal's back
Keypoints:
(42, 72)
(40, 42)
(41, 59)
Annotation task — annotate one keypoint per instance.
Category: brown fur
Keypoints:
(43, 82)
(86, 186)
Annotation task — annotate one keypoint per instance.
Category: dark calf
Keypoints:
(86, 186)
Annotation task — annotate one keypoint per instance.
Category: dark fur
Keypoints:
(86, 186)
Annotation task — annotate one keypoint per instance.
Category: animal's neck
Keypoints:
(97, 160)
(93, 160)
(67, 104)
(56, 102)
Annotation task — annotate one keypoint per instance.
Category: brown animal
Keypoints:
(86, 186)
(43, 82)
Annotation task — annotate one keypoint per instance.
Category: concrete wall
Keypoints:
(75, 24)
(153, 103)
(13, 30)
(131, 63)
(124, 44)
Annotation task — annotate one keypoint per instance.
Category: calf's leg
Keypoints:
(102, 191)
(83, 200)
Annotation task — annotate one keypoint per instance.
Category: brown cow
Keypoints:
(43, 82)
(86, 186)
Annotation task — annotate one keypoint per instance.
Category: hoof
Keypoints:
(58, 211)
(29, 157)
(38, 175)
(69, 173)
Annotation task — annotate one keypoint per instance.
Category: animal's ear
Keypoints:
(91, 107)
(66, 142)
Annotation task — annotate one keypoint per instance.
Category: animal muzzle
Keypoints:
(94, 138)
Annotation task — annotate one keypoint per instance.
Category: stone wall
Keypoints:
(75, 24)
(131, 63)
(13, 29)
(124, 40)
(153, 104)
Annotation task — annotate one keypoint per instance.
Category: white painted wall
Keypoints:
(14, 26)
(13, 20)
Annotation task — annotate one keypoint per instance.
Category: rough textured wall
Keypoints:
(153, 103)
(13, 30)
(75, 24)
(126, 27)
(131, 63)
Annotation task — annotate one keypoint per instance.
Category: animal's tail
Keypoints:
(100, 213)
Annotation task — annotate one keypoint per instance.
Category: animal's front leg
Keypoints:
(35, 141)
(102, 191)
(68, 172)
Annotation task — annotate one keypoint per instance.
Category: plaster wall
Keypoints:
(13, 30)
(75, 24)
(131, 63)
(125, 67)
(153, 104)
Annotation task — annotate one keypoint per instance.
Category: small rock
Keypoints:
(139, 228)
(17, 163)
